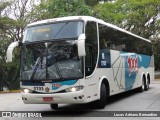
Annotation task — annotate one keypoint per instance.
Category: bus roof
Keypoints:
(84, 18)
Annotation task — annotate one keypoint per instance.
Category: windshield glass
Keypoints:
(51, 60)
(60, 30)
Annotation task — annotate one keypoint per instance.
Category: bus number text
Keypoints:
(36, 88)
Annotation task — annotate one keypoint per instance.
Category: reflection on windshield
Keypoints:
(52, 60)
(60, 30)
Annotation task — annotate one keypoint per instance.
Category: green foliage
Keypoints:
(156, 49)
(130, 13)
(91, 2)
(40, 11)
(3, 5)
(61, 8)
(24, 12)
(8, 72)
(133, 16)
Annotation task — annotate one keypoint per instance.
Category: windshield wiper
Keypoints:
(57, 67)
(35, 67)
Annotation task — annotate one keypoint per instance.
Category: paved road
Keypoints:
(157, 74)
(131, 101)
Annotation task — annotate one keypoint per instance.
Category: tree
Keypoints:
(131, 15)
(15, 15)
(61, 8)
(137, 16)
(7, 26)
(40, 11)
(91, 2)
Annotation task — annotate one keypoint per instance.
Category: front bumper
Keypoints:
(69, 97)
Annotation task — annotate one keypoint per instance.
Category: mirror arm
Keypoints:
(10, 50)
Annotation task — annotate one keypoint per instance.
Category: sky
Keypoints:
(11, 14)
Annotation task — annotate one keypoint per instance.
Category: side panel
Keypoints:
(123, 70)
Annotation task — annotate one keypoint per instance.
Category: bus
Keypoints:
(81, 59)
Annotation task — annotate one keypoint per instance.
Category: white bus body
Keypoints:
(110, 61)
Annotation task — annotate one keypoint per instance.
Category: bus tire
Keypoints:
(142, 87)
(101, 103)
(147, 83)
(144, 84)
(54, 106)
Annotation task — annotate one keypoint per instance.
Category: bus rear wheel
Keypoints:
(54, 106)
(146, 85)
(101, 103)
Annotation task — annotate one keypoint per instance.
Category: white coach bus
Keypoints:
(80, 59)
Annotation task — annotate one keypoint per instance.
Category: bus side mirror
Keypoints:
(10, 50)
(81, 45)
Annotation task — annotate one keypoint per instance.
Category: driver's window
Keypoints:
(91, 47)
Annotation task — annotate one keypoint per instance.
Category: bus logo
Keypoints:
(56, 85)
(133, 64)
(47, 89)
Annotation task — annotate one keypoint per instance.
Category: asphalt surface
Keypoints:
(130, 101)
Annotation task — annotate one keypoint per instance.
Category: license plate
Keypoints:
(46, 99)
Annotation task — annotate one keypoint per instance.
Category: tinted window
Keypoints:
(56, 61)
(60, 30)
(110, 38)
(141, 47)
(91, 47)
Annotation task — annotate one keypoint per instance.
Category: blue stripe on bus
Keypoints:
(32, 84)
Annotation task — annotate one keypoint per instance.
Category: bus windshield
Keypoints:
(53, 31)
(51, 60)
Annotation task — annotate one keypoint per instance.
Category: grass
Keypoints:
(157, 77)
(10, 91)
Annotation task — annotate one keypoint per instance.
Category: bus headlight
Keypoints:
(26, 90)
(73, 89)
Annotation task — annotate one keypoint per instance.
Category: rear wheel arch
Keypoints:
(103, 93)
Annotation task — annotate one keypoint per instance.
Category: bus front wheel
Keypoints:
(103, 97)
(54, 106)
